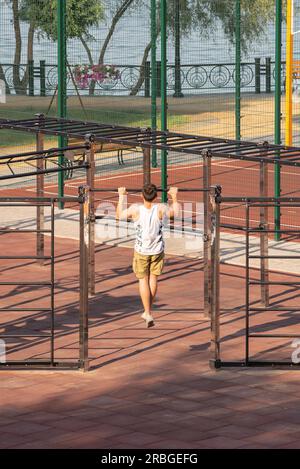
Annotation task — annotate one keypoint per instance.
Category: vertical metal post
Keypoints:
(238, 69)
(178, 89)
(52, 283)
(84, 278)
(215, 278)
(31, 77)
(289, 75)
(268, 75)
(247, 280)
(42, 78)
(147, 165)
(277, 181)
(164, 105)
(257, 75)
(40, 209)
(207, 233)
(90, 157)
(153, 76)
(62, 83)
(264, 241)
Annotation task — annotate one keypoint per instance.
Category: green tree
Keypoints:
(41, 15)
(203, 15)
(81, 16)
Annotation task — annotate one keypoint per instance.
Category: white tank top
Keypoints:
(149, 231)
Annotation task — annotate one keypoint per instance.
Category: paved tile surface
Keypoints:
(147, 388)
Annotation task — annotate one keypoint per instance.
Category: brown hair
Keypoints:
(149, 192)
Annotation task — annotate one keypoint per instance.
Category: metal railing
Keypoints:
(257, 76)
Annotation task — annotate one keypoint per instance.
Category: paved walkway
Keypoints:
(147, 388)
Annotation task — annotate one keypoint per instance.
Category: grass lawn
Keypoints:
(134, 117)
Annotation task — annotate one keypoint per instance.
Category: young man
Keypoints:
(148, 259)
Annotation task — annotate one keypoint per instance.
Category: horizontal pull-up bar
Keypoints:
(261, 199)
(43, 171)
(114, 189)
(49, 151)
(37, 200)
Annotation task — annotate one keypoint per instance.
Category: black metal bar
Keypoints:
(24, 257)
(26, 310)
(45, 153)
(274, 336)
(52, 292)
(38, 364)
(276, 308)
(247, 284)
(256, 363)
(31, 284)
(36, 200)
(115, 189)
(257, 230)
(46, 171)
(20, 336)
(274, 257)
(250, 200)
(8, 230)
(257, 282)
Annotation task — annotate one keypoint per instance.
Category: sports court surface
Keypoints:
(147, 388)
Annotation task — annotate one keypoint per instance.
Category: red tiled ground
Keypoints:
(147, 388)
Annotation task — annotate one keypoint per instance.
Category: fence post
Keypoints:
(264, 240)
(178, 88)
(206, 157)
(84, 278)
(42, 77)
(153, 76)
(31, 77)
(277, 175)
(257, 75)
(61, 83)
(164, 98)
(40, 183)
(90, 157)
(147, 165)
(268, 75)
(215, 201)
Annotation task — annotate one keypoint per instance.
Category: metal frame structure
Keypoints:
(204, 147)
(263, 204)
(82, 200)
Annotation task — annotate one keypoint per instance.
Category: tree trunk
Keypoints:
(3, 78)
(87, 49)
(18, 48)
(24, 81)
(116, 18)
(141, 79)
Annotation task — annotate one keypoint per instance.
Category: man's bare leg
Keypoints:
(146, 297)
(145, 293)
(153, 287)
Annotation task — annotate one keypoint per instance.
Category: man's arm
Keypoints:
(174, 209)
(122, 212)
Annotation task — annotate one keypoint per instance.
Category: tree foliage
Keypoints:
(203, 15)
(81, 16)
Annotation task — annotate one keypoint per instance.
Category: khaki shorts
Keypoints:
(143, 265)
